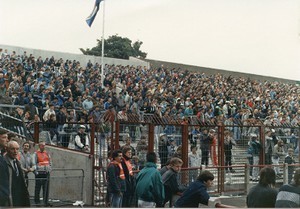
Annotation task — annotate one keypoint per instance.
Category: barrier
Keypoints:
(65, 187)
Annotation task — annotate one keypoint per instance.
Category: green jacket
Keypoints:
(149, 186)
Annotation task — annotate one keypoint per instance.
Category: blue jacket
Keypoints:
(149, 186)
(196, 193)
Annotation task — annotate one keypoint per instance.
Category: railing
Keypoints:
(152, 128)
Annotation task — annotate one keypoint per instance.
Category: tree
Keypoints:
(116, 47)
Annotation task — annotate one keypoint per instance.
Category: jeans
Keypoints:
(115, 200)
(275, 161)
(145, 204)
(255, 171)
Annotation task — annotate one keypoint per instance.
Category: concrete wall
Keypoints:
(212, 71)
(69, 159)
(69, 169)
(83, 59)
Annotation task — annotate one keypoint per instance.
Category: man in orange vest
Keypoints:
(129, 177)
(42, 173)
(116, 184)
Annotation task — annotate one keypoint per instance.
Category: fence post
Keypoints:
(36, 132)
(221, 171)
(285, 173)
(92, 150)
(151, 138)
(262, 142)
(115, 144)
(247, 177)
(185, 148)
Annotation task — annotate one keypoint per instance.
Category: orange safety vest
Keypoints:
(42, 158)
(129, 166)
(122, 175)
(19, 156)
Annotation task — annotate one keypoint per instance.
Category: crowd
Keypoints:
(163, 188)
(148, 188)
(38, 83)
(57, 91)
(15, 165)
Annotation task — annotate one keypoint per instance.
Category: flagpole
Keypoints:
(102, 51)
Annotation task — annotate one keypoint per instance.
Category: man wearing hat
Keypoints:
(82, 140)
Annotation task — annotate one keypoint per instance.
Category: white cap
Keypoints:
(82, 126)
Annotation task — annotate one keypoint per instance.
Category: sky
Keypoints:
(252, 36)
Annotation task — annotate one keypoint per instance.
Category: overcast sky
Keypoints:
(254, 36)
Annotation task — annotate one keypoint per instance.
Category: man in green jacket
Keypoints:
(149, 188)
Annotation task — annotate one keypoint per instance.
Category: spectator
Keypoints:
(205, 142)
(194, 162)
(163, 149)
(129, 178)
(228, 143)
(289, 194)
(19, 196)
(61, 118)
(51, 125)
(26, 161)
(165, 168)
(213, 147)
(269, 147)
(82, 141)
(263, 195)
(128, 144)
(289, 159)
(4, 174)
(116, 184)
(255, 148)
(278, 152)
(171, 147)
(43, 167)
(178, 152)
(87, 104)
(170, 180)
(149, 188)
(49, 112)
(196, 192)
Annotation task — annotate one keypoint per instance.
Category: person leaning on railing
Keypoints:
(289, 194)
(197, 192)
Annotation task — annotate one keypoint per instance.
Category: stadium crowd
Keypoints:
(43, 82)
(57, 91)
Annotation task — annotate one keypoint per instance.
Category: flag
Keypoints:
(90, 19)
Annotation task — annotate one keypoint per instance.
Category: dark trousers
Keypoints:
(127, 200)
(205, 155)
(41, 181)
(228, 157)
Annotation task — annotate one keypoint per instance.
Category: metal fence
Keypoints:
(167, 137)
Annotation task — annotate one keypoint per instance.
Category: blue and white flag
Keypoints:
(90, 19)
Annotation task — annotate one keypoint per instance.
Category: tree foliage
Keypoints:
(116, 47)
